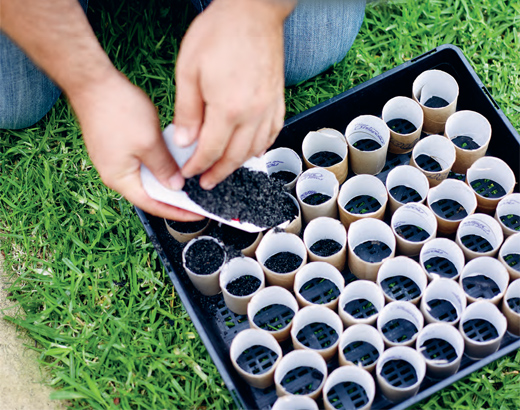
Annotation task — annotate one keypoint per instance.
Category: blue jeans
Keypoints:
(317, 35)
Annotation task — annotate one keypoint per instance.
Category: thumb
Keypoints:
(159, 161)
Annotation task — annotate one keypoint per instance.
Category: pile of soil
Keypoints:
(204, 257)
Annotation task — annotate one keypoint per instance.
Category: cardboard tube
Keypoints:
(360, 333)
(295, 226)
(469, 124)
(410, 177)
(442, 248)
(435, 83)
(485, 310)
(329, 141)
(484, 226)
(512, 316)
(275, 242)
(456, 191)
(318, 270)
(400, 310)
(295, 359)
(272, 295)
(402, 266)
(406, 109)
(284, 159)
(357, 186)
(247, 339)
(371, 128)
(235, 269)
(441, 150)
(317, 314)
(332, 132)
(184, 236)
(416, 215)
(509, 205)
(317, 180)
(208, 285)
(445, 290)
(326, 228)
(442, 367)
(511, 247)
(251, 249)
(294, 403)
(354, 375)
(408, 355)
(361, 289)
(496, 170)
(367, 230)
(490, 268)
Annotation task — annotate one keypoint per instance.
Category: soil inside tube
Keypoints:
(465, 142)
(204, 257)
(325, 159)
(316, 199)
(284, 176)
(187, 227)
(283, 262)
(243, 285)
(325, 247)
(436, 102)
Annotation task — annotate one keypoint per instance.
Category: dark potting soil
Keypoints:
(443, 310)
(399, 373)
(480, 286)
(243, 285)
(204, 257)
(283, 262)
(476, 243)
(513, 260)
(366, 144)
(440, 266)
(360, 308)
(436, 102)
(514, 304)
(373, 251)
(449, 209)
(283, 176)
(488, 188)
(187, 227)
(404, 194)
(292, 380)
(438, 349)
(236, 238)
(362, 204)
(428, 163)
(412, 233)
(465, 142)
(480, 330)
(257, 359)
(325, 247)
(316, 199)
(512, 221)
(401, 126)
(273, 317)
(361, 353)
(348, 396)
(317, 335)
(325, 159)
(246, 196)
(399, 330)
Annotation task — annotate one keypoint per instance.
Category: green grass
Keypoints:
(107, 321)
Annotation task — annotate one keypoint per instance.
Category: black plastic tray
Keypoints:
(217, 326)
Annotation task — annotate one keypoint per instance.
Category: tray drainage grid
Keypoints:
(427, 163)
(449, 209)
(373, 251)
(488, 188)
(401, 126)
(230, 322)
(273, 317)
(360, 308)
(391, 163)
(513, 260)
(399, 330)
(349, 277)
(319, 291)
(399, 373)
(257, 359)
(465, 142)
(438, 350)
(454, 175)
(367, 144)
(362, 204)
(441, 266)
(302, 380)
(480, 286)
(412, 233)
(400, 288)
(514, 304)
(317, 335)
(404, 194)
(347, 396)
(476, 243)
(442, 310)
(512, 221)
(480, 330)
(361, 353)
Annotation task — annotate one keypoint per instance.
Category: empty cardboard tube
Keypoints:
(233, 270)
(356, 291)
(318, 270)
(247, 339)
(356, 334)
(295, 226)
(440, 290)
(370, 231)
(509, 208)
(185, 236)
(327, 141)
(511, 250)
(403, 108)
(293, 402)
(445, 250)
(356, 187)
(483, 226)
(251, 249)
(284, 159)
(350, 374)
(416, 216)
(435, 83)
(511, 299)
(400, 310)
(409, 177)
(367, 127)
(326, 228)
(441, 150)
(317, 181)
(454, 190)
(473, 125)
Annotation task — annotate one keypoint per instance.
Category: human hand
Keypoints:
(230, 85)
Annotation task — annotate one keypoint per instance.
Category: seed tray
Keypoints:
(217, 325)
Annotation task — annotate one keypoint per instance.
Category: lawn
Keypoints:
(107, 322)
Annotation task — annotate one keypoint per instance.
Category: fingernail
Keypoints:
(182, 136)
(176, 182)
(208, 186)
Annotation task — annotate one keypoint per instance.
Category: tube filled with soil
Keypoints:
(327, 150)
(406, 184)
(362, 196)
(470, 132)
(482, 326)
(368, 138)
(245, 242)
(508, 214)
(255, 355)
(317, 190)
(491, 180)
(295, 224)
(301, 373)
(203, 259)
(360, 303)
(284, 165)
(413, 226)
(360, 345)
(434, 156)
(399, 323)
(404, 117)
(272, 309)
(240, 280)
(349, 388)
(451, 201)
(402, 279)
(326, 241)
(442, 258)
(479, 235)
(511, 307)
(370, 242)
(186, 231)
(443, 301)
(294, 403)
(437, 93)
(509, 255)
